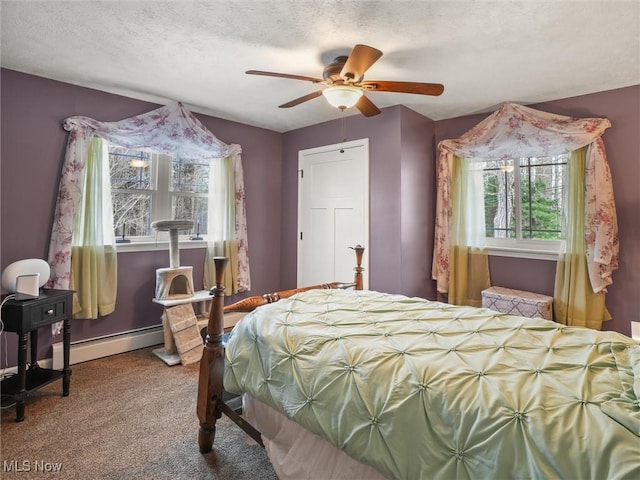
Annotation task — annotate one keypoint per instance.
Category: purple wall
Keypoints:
(402, 150)
(32, 152)
(418, 197)
(401, 196)
(622, 108)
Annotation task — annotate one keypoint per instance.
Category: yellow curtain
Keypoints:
(94, 262)
(223, 248)
(222, 217)
(468, 276)
(468, 257)
(94, 277)
(574, 302)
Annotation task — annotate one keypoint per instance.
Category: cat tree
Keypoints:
(175, 281)
(175, 292)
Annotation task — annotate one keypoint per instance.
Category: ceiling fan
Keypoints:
(344, 78)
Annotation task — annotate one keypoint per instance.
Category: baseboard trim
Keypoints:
(92, 349)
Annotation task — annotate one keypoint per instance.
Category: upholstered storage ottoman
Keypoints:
(518, 302)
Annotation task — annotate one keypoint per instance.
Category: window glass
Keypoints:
(131, 193)
(190, 176)
(146, 187)
(542, 187)
(190, 187)
(129, 168)
(499, 208)
(525, 203)
(192, 207)
(131, 214)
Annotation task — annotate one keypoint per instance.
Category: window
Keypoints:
(524, 201)
(146, 186)
(190, 191)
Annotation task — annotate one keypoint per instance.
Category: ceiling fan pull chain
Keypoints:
(344, 135)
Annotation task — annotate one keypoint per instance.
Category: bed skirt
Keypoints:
(296, 453)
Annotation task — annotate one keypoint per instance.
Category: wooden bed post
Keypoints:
(210, 386)
(359, 269)
(210, 405)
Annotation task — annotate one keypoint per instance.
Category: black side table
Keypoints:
(24, 318)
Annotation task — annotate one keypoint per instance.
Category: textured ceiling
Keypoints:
(484, 53)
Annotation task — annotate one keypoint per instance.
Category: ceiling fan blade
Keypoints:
(403, 87)
(304, 98)
(284, 75)
(366, 107)
(359, 61)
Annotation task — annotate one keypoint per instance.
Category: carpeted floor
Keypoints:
(128, 416)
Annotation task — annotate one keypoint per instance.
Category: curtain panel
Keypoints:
(94, 275)
(171, 130)
(515, 131)
(232, 194)
(574, 302)
(469, 262)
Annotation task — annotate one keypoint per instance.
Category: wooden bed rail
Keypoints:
(210, 404)
(251, 303)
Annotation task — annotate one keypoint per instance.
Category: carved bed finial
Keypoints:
(359, 269)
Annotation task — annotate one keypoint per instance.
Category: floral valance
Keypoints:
(170, 130)
(515, 131)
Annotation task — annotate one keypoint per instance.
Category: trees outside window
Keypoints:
(146, 186)
(524, 198)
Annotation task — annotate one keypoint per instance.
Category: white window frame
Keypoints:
(520, 247)
(160, 174)
(528, 248)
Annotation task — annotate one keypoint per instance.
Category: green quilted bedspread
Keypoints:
(425, 390)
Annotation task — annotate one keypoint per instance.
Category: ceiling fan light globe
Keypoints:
(342, 96)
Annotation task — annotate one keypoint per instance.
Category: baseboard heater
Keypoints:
(99, 347)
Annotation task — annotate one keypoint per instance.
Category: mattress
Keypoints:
(298, 454)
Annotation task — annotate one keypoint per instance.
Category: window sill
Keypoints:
(159, 245)
(523, 253)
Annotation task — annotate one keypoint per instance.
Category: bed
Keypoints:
(364, 384)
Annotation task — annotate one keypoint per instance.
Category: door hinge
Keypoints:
(301, 173)
(300, 235)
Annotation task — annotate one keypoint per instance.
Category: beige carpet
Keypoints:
(128, 416)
